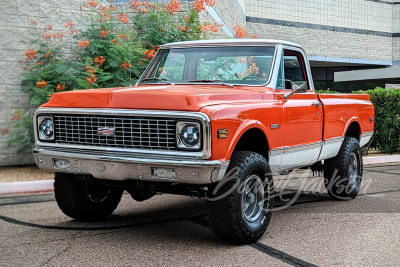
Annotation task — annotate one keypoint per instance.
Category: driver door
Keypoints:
(303, 115)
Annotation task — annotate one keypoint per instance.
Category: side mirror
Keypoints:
(300, 86)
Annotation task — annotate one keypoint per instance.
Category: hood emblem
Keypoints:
(106, 131)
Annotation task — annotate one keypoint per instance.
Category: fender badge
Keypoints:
(275, 126)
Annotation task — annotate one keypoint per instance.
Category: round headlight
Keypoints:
(190, 135)
(46, 128)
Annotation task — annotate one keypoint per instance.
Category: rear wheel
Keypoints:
(239, 207)
(85, 201)
(343, 173)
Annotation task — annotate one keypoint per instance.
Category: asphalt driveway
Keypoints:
(172, 230)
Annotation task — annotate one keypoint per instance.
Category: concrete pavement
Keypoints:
(172, 230)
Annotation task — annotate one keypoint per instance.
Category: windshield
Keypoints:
(244, 65)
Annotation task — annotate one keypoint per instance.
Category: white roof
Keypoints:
(228, 42)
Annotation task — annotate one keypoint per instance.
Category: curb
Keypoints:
(381, 160)
(48, 185)
(27, 187)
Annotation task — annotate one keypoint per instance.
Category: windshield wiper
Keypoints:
(157, 79)
(211, 81)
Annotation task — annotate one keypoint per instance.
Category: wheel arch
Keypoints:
(353, 129)
(250, 137)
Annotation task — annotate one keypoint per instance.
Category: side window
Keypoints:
(294, 68)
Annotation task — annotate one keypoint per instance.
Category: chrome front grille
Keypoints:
(127, 132)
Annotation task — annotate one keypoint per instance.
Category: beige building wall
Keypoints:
(348, 31)
(16, 34)
(340, 31)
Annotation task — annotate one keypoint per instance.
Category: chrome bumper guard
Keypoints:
(121, 168)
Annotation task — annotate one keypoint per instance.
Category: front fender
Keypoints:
(243, 128)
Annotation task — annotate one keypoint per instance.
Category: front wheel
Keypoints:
(343, 173)
(239, 206)
(85, 201)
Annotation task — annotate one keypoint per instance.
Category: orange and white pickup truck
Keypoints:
(212, 119)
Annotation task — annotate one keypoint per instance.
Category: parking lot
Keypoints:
(172, 230)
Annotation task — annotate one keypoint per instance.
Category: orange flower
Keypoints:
(184, 28)
(186, 18)
(143, 10)
(122, 18)
(30, 54)
(90, 70)
(71, 28)
(16, 116)
(60, 87)
(99, 60)
(103, 11)
(83, 44)
(4, 131)
(48, 27)
(46, 35)
(135, 4)
(213, 28)
(113, 41)
(69, 24)
(200, 5)
(48, 54)
(41, 84)
(91, 79)
(149, 54)
(240, 32)
(92, 4)
(58, 35)
(253, 36)
(210, 27)
(173, 7)
(33, 22)
(103, 34)
(252, 67)
(126, 65)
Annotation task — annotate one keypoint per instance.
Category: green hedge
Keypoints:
(387, 119)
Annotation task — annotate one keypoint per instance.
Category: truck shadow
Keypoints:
(185, 217)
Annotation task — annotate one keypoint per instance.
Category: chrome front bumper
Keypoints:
(113, 167)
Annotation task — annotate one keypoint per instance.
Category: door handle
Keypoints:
(316, 104)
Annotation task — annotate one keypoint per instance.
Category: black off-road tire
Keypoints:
(85, 202)
(141, 195)
(226, 211)
(343, 173)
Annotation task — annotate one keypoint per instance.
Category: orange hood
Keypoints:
(157, 97)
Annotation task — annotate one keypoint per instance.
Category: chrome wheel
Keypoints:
(252, 198)
(353, 169)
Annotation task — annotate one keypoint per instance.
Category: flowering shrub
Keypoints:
(112, 50)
